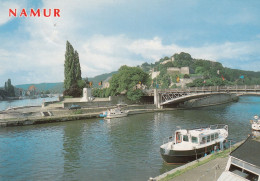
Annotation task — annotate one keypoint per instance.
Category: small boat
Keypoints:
(187, 145)
(9, 108)
(114, 113)
(255, 124)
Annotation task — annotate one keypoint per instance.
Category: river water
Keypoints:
(25, 102)
(119, 149)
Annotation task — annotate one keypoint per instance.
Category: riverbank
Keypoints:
(62, 115)
(57, 111)
(207, 168)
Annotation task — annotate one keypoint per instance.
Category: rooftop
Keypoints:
(196, 132)
(249, 151)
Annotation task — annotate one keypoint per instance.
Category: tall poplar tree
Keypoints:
(72, 70)
(77, 66)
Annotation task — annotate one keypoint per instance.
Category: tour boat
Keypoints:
(255, 123)
(187, 145)
(114, 113)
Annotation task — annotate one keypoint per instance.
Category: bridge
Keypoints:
(164, 97)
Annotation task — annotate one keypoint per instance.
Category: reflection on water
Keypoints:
(118, 149)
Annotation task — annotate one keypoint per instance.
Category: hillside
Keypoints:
(101, 77)
(58, 87)
(53, 87)
(210, 73)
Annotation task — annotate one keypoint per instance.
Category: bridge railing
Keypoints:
(209, 89)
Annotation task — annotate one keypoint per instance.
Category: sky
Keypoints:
(110, 33)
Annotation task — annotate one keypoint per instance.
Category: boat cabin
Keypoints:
(197, 136)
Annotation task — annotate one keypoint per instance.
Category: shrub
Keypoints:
(74, 91)
(186, 76)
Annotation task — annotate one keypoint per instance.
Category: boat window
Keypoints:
(185, 138)
(243, 173)
(216, 135)
(194, 139)
(203, 140)
(212, 137)
(208, 138)
(178, 137)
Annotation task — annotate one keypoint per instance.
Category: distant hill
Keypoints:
(101, 77)
(52, 87)
(58, 86)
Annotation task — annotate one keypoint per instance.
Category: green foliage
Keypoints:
(182, 60)
(173, 86)
(96, 92)
(68, 96)
(199, 70)
(9, 88)
(186, 76)
(126, 80)
(81, 84)
(74, 91)
(211, 72)
(47, 92)
(72, 72)
(78, 111)
(165, 81)
(69, 71)
(77, 67)
(3, 93)
(134, 94)
(215, 81)
(146, 67)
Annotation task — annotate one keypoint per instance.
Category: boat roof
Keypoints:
(248, 151)
(197, 132)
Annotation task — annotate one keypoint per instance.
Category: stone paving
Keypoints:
(210, 171)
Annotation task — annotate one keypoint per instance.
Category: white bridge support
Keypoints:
(157, 99)
(169, 96)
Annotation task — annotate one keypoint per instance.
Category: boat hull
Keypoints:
(116, 116)
(256, 127)
(184, 156)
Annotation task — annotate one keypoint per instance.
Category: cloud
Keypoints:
(44, 57)
(155, 49)
(4, 9)
(39, 57)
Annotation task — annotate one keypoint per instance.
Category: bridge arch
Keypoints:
(164, 97)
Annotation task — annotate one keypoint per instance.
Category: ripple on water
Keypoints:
(117, 149)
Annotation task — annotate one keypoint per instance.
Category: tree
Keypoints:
(72, 71)
(186, 76)
(68, 66)
(9, 88)
(127, 80)
(47, 92)
(77, 67)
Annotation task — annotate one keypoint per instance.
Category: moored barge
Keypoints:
(187, 145)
